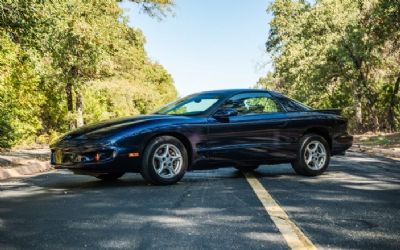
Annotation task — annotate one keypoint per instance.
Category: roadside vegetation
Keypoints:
(338, 54)
(383, 140)
(378, 143)
(67, 63)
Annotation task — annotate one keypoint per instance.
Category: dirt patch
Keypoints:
(379, 140)
(386, 152)
(21, 157)
(21, 162)
(381, 144)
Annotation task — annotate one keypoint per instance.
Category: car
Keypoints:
(241, 128)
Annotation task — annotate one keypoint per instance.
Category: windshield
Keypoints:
(190, 105)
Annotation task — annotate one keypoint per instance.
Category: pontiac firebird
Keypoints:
(242, 128)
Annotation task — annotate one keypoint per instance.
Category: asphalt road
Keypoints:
(355, 205)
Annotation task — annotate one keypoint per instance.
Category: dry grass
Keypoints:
(381, 140)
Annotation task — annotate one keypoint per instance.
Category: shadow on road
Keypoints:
(207, 210)
(354, 205)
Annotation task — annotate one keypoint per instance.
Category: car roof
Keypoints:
(232, 91)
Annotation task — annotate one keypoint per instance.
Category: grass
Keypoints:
(384, 140)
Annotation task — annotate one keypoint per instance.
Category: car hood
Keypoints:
(109, 128)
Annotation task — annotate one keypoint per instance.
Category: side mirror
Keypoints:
(225, 113)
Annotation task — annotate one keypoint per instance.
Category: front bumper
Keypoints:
(94, 160)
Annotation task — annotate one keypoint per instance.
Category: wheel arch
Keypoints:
(321, 131)
(182, 138)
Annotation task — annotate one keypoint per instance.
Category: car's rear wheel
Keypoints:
(313, 156)
(165, 161)
(109, 177)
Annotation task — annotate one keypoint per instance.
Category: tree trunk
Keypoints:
(359, 118)
(392, 103)
(70, 105)
(79, 109)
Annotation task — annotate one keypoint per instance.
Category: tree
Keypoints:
(20, 98)
(155, 8)
(385, 26)
(84, 42)
(76, 49)
(328, 54)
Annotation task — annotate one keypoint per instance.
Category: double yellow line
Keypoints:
(294, 237)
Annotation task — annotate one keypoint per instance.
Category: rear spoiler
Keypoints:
(328, 111)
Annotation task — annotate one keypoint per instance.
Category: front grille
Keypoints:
(59, 157)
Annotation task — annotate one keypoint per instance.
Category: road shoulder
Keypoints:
(20, 163)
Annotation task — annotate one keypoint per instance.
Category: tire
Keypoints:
(109, 177)
(247, 168)
(313, 156)
(165, 161)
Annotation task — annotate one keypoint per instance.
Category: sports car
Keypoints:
(241, 128)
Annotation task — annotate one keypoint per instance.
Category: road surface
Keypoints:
(355, 205)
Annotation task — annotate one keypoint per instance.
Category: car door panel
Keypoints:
(249, 139)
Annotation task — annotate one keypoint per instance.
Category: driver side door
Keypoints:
(254, 135)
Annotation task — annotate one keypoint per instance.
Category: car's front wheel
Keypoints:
(313, 156)
(165, 161)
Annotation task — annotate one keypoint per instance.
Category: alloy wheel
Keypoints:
(315, 155)
(167, 161)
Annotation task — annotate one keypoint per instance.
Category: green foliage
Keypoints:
(54, 53)
(113, 98)
(338, 53)
(155, 8)
(261, 105)
(20, 98)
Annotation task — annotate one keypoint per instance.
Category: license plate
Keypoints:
(58, 157)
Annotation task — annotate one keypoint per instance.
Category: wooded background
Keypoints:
(339, 54)
(65, 63)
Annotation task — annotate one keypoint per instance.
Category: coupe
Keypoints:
(243, 128)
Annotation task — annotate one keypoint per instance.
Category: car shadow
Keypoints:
(69, 181)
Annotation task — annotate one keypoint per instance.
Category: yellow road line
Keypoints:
(294, 237)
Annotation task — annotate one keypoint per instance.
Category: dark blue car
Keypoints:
(242, 128)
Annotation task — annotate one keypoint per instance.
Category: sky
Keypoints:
(208, 44)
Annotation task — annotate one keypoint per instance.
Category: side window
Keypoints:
(252, 103)
(293, 106)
